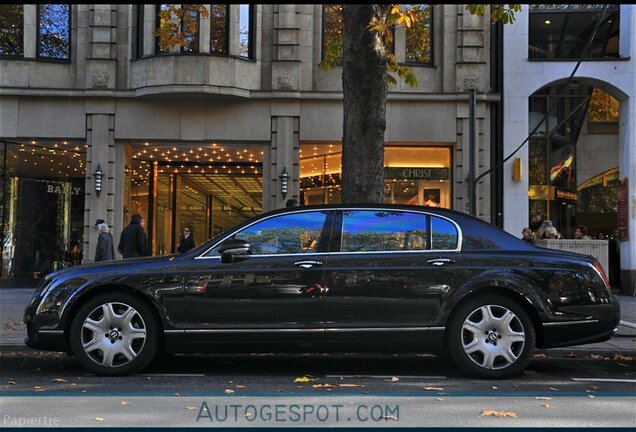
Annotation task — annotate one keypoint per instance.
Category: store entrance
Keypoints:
(220, 189)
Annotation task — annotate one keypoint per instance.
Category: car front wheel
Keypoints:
(114, 334)
(490, 337)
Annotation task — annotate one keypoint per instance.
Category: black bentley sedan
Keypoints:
(335, 278)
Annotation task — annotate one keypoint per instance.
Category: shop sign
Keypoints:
(622, 209)
(565, 195)
(407, 173)
(58, 189)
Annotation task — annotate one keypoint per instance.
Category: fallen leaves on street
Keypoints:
(305, 379)
(543, 398)
(495, 413)
(350, 385)
(60, 380)
(621, 357)
(191, 408)
(124, 403)
(99, 418)
(433, 388)
(229, 391)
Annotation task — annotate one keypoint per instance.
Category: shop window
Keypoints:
(332, 27)
(419, 37)
(418, 175)
(54, 31)
(246, 31)
(602, 113)
(562, 31)
(11, 30)
(219, 25)
(189, 28)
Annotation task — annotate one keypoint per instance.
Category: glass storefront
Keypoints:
(209, 188)
(419, 175)
(42, 207)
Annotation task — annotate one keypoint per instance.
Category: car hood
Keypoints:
(115, 266)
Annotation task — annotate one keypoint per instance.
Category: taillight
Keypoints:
(599, 268)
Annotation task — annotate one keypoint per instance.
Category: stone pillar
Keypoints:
(286, 49)
(150, 21)
(283, 153)
(627, 169)
(100, 133)
(101, 64)
(515, 115)
(204, 32)
(472, 72)
(30, 30)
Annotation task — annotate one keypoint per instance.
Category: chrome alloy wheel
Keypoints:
(493, 337)
(113, 334)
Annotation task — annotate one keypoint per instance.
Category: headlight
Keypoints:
(54, 297)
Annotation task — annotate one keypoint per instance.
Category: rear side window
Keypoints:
(380, 231)
(444, 234)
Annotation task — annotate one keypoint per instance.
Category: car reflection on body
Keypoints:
(332, 278)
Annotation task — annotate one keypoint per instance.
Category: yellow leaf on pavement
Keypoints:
(229, 391)
(305, 379)
(99, 418)
(124, 403)
(191, 408)
(545, 405)
(498, 413)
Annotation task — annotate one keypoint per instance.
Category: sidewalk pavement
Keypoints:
(13, 330)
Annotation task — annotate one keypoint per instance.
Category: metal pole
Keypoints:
(472, 186)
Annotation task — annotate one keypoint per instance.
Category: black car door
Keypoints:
(274, 288)
(390, 269)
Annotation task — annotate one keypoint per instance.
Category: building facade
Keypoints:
(579, 166)
(98, 121)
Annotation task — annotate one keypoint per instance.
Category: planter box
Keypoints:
(597, 248)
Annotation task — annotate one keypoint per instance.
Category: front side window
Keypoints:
(54, 36)
(444, 234)
(246, 34)
(332, 33)
(383, 231)
(219, 28)
(419, 35)
(11, 30)
(297, 233)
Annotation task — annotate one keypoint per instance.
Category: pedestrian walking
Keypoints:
(187, 240)
(105, 250)
(132, 242)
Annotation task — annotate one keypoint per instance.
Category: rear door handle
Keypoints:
(308, 264)
(440, 261)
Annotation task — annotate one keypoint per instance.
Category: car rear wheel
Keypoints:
(114, 334)
(490, 337)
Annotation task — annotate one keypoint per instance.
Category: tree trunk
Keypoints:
(364, 82)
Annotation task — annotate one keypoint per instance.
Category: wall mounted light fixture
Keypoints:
(98, 179)
(284, 180)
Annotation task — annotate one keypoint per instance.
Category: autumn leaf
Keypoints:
(305, 379)
(539, 355)
(229, 391)
(393, 379)
(439, 399)
(591, 396)
(433, 388)
(12, 383)
(553, 389)
(99, 418)
(545, 405)
(58, 380)
(595, 357)
(191, 408)
(238, 386)
(124, 403)
(573, 355)
(390, 417)
(618, 356)
(350, 385)
(498, 413)
(322, 386)
(543, 398)
(495, 387)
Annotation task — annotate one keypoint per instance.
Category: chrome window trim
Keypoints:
(460, 235)
(551, 324)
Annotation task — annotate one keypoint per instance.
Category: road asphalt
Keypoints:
(13, 330)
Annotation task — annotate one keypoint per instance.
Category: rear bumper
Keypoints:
(597, 328)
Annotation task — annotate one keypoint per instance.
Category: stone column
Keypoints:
(283, 153)
(627, 169)
(286, 49)
(150, 21)
(100, 135)
(101, 64)
(30, 30)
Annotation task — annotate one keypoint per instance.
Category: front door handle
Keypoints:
(308, 264)
(440, 261)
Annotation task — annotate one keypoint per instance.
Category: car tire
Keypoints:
(115, 334)
(490, 336)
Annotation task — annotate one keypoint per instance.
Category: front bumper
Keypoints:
(43, 339)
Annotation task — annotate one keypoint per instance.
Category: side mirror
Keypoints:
(231, 248)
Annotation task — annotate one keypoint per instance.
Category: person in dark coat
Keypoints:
(132, 242)
(105, 250)
(187, 241)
